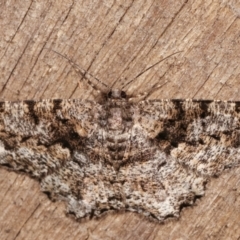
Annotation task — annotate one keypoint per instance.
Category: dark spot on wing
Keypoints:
(57, 105)
(2, 106)
(204, 106)
(32, 114)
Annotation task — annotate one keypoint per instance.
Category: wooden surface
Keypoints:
(117, 40)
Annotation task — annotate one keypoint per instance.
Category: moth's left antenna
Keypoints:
(82, 72)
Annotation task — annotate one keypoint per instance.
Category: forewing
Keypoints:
(201, 135)
(40, 137)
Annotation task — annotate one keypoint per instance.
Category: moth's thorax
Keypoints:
(115, 122)
(118, 114)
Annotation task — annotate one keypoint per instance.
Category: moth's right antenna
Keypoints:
(141, 73)
(82, 72)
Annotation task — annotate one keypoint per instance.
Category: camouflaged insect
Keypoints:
(121, 153)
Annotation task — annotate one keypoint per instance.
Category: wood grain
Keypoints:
(116, 40)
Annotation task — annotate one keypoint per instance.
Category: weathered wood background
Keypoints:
(117, 39)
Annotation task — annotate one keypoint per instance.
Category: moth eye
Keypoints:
(123, 94)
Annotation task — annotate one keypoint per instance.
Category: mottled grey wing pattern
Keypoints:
(202, 135)
(47, 139)
(38, 137)
(150, 157)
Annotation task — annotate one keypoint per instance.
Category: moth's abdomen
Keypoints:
(116, 146)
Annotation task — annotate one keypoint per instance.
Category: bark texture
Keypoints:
(117, 40)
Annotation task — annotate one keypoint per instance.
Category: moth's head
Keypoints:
(116, 94)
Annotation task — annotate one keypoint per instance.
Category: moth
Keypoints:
(121, 153)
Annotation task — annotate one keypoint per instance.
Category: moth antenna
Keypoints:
(144, 95)
(113, 83)
(82, 72)
(141, 73)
